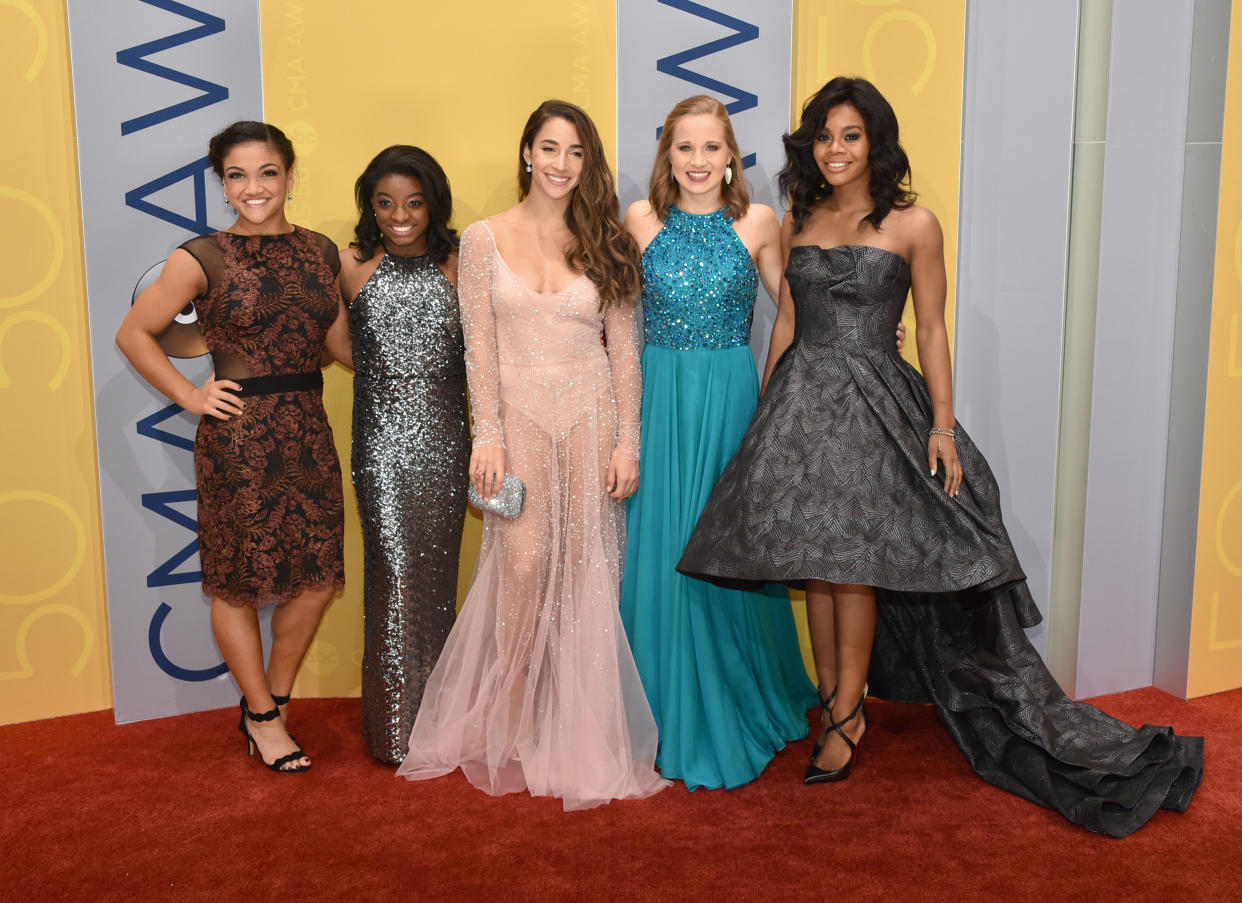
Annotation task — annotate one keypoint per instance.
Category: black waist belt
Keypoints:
(281, 382)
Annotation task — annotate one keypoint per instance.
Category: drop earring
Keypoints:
(227, 205)
(728, 175)
(528, 166)
(289, 197)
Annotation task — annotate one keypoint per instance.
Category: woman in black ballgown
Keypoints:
(855, 481)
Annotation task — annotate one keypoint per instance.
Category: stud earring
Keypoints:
(728, 175)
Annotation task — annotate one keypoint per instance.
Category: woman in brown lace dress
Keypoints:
(269, 484)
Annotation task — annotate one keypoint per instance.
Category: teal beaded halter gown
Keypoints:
(721, 667)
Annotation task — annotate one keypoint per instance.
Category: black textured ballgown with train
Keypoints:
(831, 483)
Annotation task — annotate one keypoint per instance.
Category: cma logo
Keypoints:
(183, 337)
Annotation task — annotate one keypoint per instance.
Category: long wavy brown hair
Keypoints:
(599, 246)
(664, 187)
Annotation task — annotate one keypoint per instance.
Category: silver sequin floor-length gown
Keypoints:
(411, 451)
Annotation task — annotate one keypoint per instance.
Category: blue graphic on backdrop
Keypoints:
(137, 197)
(136, 58)
(167, 665)
(674, 64)
(161, 503)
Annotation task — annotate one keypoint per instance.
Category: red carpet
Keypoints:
(173, 810)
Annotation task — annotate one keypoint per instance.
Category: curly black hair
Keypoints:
(406, 160)
(803, 183)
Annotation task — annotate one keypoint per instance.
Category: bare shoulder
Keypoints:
(640, 218)
(762, 216)
(915, 223)
(449, 268)
(642, 222)
(639, 210)
(350, 261)
(355, 272)
(758, 220)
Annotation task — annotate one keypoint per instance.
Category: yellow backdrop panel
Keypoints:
(1216, 624)
(345, 87)
(913, 51)
(53, 623)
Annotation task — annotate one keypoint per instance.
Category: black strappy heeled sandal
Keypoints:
(279, 764)
(815, 774)
(284, 700)
(825, 713)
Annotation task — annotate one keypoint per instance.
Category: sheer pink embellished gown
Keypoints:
(536, 688)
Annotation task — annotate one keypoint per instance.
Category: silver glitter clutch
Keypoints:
(507, 502)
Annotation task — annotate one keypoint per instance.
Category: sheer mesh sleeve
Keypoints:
(621, 331)
(206, 250)
(478, 323)
(330, 253)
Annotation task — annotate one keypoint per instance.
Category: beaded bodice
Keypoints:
(405, 322)
(699, 283)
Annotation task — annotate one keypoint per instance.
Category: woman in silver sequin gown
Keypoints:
(411, 442)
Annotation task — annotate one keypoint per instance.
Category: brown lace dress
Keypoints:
(270, 511)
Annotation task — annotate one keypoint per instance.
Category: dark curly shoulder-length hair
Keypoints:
(803, 183)
(599, 246)
(406, 160)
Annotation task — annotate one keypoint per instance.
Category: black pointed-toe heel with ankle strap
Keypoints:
(815, 774)
(825, 704)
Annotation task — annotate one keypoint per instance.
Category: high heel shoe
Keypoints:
(815, 774)
(279, 764)
(284, 700)
(825, 705)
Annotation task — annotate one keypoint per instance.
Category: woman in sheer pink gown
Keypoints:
(536, 688)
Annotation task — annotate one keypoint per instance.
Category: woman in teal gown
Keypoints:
(721, 667)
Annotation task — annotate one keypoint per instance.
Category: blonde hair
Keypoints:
(664, 187)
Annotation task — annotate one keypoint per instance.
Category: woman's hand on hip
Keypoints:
(214, 398)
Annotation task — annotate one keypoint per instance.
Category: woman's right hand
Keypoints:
(487, 470)
(213, 397)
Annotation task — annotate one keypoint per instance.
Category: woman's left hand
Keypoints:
(901, 335)
(622, 481)
(942, 448)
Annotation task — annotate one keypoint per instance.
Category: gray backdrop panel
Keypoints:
(1140, 232)
(152, 82)
(1017, 149)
